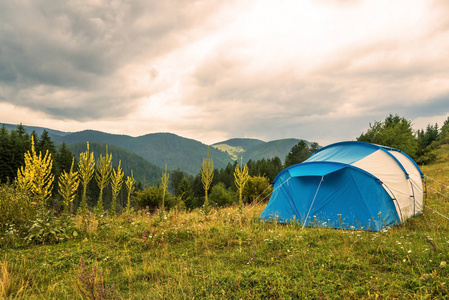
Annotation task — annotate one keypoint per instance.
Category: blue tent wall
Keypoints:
(347, 198)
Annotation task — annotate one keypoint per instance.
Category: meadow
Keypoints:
(227, 254)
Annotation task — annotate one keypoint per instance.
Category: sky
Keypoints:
(211, 70)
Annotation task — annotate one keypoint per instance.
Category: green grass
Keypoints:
(234, 152)
(223, 256)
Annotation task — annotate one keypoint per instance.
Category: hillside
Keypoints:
(242, 143)
(279, 148)
(177, 152)
(145, 172)
(252, 149)
(39, 130)
(234, 152)
(159, 149)
(236, 147)
(169, 149)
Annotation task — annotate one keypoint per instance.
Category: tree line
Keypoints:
(185, 191)
(96, 191)
(15, 143)
(397, 132)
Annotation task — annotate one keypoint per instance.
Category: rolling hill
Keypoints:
(39, 130)
(241, 143)
(160, 149)
(145, 172)
(252, 149)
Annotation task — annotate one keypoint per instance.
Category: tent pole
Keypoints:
(305, 221)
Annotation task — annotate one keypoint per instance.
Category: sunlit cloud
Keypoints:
(212, 70)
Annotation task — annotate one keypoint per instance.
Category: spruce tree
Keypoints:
(7, 172)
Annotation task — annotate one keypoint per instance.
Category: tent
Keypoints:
(348, 185)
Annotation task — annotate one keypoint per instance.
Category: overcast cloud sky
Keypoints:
(210, 70)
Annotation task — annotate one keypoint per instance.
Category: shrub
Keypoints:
(16, 208)
(220, 196)
(257, 187)
(152, 198)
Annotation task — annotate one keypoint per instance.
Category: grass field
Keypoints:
(228, 256)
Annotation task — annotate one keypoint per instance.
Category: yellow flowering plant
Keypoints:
(116, 185)
(35, 177)
(86, 169)
(68, 184)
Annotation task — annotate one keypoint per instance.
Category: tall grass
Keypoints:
(228, 255)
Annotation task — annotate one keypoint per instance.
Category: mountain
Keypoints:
(241, 143)
(158, 148)
(236, 147)
(161, 149)
(143, 171)
(253, 149)
(279, 148)
(39, 130)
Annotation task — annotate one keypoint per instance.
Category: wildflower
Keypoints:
(443, 264)
(409, 251)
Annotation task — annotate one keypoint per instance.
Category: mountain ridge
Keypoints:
(168, 149)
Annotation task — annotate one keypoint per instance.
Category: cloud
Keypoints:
(337, 96)
(211, 70)
(70, 58)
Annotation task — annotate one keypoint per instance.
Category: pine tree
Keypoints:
(395, 132)
(176, 178)
(64, 158)
(45, 143)
(299, 153)
(185, 192)
(7, 172)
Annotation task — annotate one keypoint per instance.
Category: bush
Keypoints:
(16, 209)
(152, 198)
(257, 187)
(220, 196)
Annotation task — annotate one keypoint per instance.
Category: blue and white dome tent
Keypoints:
(348, 185)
